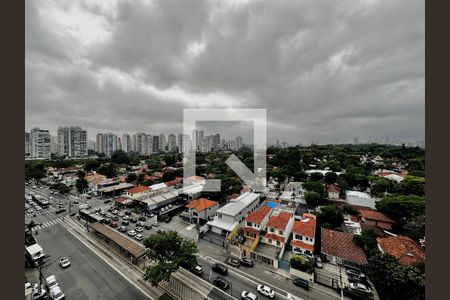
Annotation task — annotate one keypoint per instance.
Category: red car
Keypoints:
(113, 224)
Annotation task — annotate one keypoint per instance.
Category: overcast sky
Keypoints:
(326, 71)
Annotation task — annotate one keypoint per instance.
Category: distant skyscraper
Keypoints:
(139, 143)
(39, 143)
(91, 145)
(150, 149)
(63, 137)
(238, 142)
(53, 145)
(355, 141)
(172, 143)
(216, 142)
(126, 142)
(107, 143)
(78, 142)
(162, 142)
(156, 143)
(27, 143)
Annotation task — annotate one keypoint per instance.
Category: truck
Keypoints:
(34, 255)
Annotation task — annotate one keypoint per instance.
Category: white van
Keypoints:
(84, 206)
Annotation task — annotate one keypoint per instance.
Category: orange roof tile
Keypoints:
(252, 230)
(305, 228)
(376, 215)
(280, 221)
(257, 216)
(300, 244)
(332, 188)
(138, 189)
(274, 236)
(201, 204)
(403, 248)
(341, 244)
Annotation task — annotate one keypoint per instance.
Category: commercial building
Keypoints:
(200, 211)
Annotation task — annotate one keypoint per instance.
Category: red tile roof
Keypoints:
(403, 248)
(300, 244)
(201, 204)
(280, 221)
(257, 216)
(138, 189)
(305, 228)
(252, 230)
(274, 236)
(376, 215)
(332, 188)
(341, 244)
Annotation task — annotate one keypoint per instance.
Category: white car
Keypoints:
(248, 296)
(131, 233)
(139, 237)
(64, 262)
(139, 229)
(360, 287)
(56, 293)
(51, 281)
(266, 291)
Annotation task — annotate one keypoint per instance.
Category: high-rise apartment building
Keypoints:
(27, 143)
(39, 143)
(63, 137)
(139, 143)
(156, 143)
(238, 142)
(172, 143)
(77, 142)
(162, 142)
(107, 143)
(126, 142)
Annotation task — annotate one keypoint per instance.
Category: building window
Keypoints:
(249, 224)
(195, 213)
(271, 229)
(278, 243)
(270, 241)
(281, 232)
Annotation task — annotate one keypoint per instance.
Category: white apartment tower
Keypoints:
(39, 143)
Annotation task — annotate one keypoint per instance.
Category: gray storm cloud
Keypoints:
(325, 70)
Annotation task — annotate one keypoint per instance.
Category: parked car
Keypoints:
(219, 268)
(156, 224)
(107, 221)
(128, 213)
(319, 263)
(148, 226)
(109, 215)
(115, 212)
(121, 214)
(139, 229)
(301, 283)
(113, 224)
(56, 293)
(151, 215)
(160, 231)
(51, 281)
(125, 217)
(355, 273)
(266, 291)
(139, 237)
(115, 218)
(125, 222)
(60, 210)
(133, 220)
(143, 219)
(39, 292)
(197, 270)
(245, 295)
(360, 287)
(107, 201)
(131, 233)
(122, 229)
(234, 262)
(221, 283)
(247, 261)
(64, 262)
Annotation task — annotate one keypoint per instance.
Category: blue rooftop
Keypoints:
(271, 204)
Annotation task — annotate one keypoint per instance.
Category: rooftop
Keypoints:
(332, 188)
(279, 221)
(222, 224)
(306, 226)
(138, 189)
(120, 186)
(257, 216)
(201, 204)
(237, 206)
(403, 248)
(341, 244)
(375, 215)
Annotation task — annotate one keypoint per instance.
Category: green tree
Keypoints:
(412, 185)
(120, 157)
(109, 170)
(81, 183)
(299, 262)
(394, 281)
(169, 175)
(131, 177)
(154, 164)
(402, 208)
(332, 215)
(351, 210)
(316, 176)
(312, 198)
(168, 252)
(366, 240)
(314, 186)
(330, 177)
(91, 165)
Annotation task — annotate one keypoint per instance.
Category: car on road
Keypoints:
(131, 233)
(319, 263)
(60, 210)
(247, 261)
(245, 295)
(125, 222)
(115, 212)
(234, 262)
(107, 221)
(113, 224)
(301, 283)
(75, 202)
(56, 293)
(151, 215)
(64, 262)
(221, 283)
(139, 237)
(107, 201)
(219, 268)
(139, 229)
(143, 219)
(122, 229)
(109, 215)
(51, 281)
(155, 224)
(115, 218)
(266, 291)
(197, 270)
(148, 226)
(360, 287)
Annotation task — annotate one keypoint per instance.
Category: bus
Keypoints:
(40, 201)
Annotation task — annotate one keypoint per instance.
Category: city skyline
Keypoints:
(120, 74)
